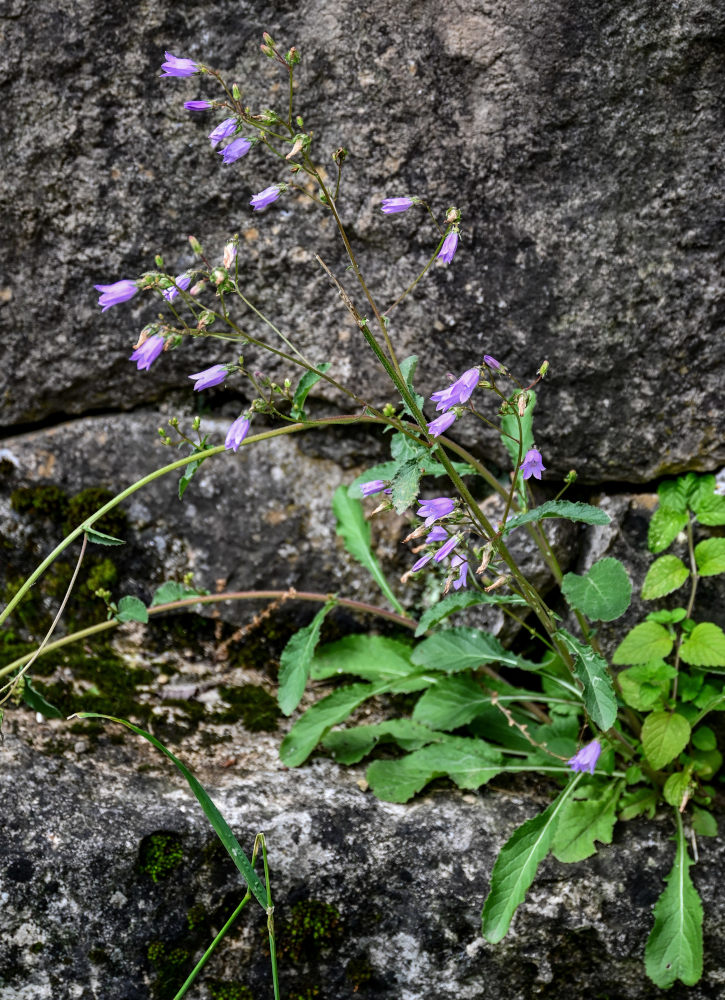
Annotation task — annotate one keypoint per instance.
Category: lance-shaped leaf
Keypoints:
(674, 947)
(348, 746)
(469, 762)
(592, 673)
(101, 538)
(664, 575)
(355, 533)
(516, 865)
(303, 387)
(570, 510)
(294, 664)
(407, 368)
(603, 594)
(372, 657)
(457, 649)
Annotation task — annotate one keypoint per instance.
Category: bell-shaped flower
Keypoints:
(237, 433)
(223, 130)
(266, 197)
(457, 393)
(586, 759)
(119, 291)
(391, 205)
(209, 377)
(178, 67)
(236, 149)
(441, 424)
(182, 282)
(148, 352)
(532, 464)
(450, 244)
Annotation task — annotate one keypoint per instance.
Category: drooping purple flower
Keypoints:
(182, 281)
(421, 563)
(440, 424)
(266, 197)
(446, 548)
(119, 291)
(492, 363)
(586, 759)
(437, 534)
(178, 67)
(236, 149)
(450, 244)
(458, 562)
(198, 105)
(209, 377)
(457, 393)
(148, 352)
(532, 465)
(374, 486)
(391, 205)
(236, 433)
(434, 509)
(222, 131)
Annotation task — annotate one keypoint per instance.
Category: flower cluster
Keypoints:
(455, 395)
(432, 511)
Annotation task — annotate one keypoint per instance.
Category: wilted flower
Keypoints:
(586, 759)
(178, 67)
(198, 105)
(266, 197)
(209, 377)
(459, 392)
(236, 433)
(532, 465)
(450, 244)
(148, 352)
(222, 131)
(374, 486)
(441, 424)
(230, 254)
(391, 205)
(432, 510)
(236, 149)
(119, 291)
(182, 281)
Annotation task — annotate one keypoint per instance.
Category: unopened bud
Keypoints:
(197, 423)
(236, 92)
(198, 287)
(388, 410)
(570, 477)
(498, 582)
(292, 57)
(295, 168)
(453, 215)
(268, 38)
(159, 260)
(522, 403)
(300, 123)
(267, 50)
(196, 246)
(544, 368)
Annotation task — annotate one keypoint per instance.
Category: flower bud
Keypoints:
(544, 368)
(268, 38)
(205, 320)
(236, 92)
(198, 287)
(498, 582)
(159, 260)
(196, 246)
(230, 254)
(218, 275)
(300, 123)
(570, 477)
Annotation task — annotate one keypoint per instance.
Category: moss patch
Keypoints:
(220, 990)
(171, 966)
(256, 708)
(311, 927)
(160, 854)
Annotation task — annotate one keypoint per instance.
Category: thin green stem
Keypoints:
(270, 917)
(210, 950)
(412, 286)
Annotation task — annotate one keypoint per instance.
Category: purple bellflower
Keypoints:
(450, 245)
(457, 393)
(222, 131)
(461, 564)
(532, 465)
(236, 149)
(432, 510)
(237, 433)
(421, 563)
(209, 377)
(148, 352)
(492, 363)
(178, 67)
(266, 197)
(586, 759)
(391, 205)
(198, 105)
(437, 534)
(182, 281)
(374, 486)
(119, 291)
(441, 424)
(446, 548)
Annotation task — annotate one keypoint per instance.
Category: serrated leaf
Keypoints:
(664, 736)
(372, 657)
(516, 865)
(711, 510)
(451, 702)
(407, 368)
(468, 762)
(570, 510)
(667, 616)
(704, 646)
(586, 819)
(637, 801)
(592, 672)
(303, 387)
(406, 484)
(710, 556)
(35, 700)
(674, 947)
(664, 526)
(646, 641)
(348, 746)
(458, 602)
(664, 575)
(131, 609)
(673, 493)
(463, 648)
(647, 685)
(355, 533)
(192, 468)
(603, 594)
(294, 664)
(307, 732)
(101, 538)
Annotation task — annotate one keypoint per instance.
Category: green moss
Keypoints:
(102, 576)
(171, 967)
(359, 971)
(196, 916)
(86, 503)
(49, 502)
(309, 994)
(160, 854)
(256, 708)
(220, 990)
(312, 926)
(37, 947)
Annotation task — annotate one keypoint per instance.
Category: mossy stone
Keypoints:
(160, 854)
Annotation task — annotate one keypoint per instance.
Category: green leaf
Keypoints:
(372, 657)
(674, 947)
(171, 591)
(664, 526)
(461, 648)
(704, 823)
(673, 493)
(571, 511)
(294, 664)
(664, 575)
(307, 732)
(515, 867)
(667, 616)
(664, 736)
(407, 368)
(348, 746)
(355, 533)
(592, 673)
(637, 801)
(704, 738)
(221, 827)
(406, 484)
(646, 641)
(710, 556)
(451, 702)
(35, 700)
(131, 609)
(704, 646)
(676, 789)
(99, 538)
(192, 468)
(589, 815)
(711, 510)
(603, 594)
(647, 685)
(457, 602)
(468, 762)
(303, 387)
